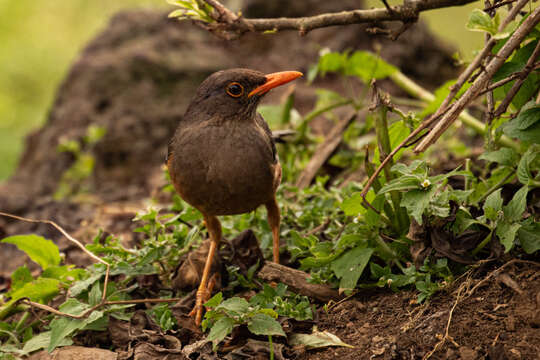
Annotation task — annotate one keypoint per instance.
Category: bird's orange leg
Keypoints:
(203, 293)
(274, 219)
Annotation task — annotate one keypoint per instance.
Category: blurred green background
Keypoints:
(40, 39)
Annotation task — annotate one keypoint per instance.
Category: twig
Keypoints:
(447, 331)
(495, 6)
(466, 74)
(459, 105)
(227, 21)
(517, 85)
(500, 83)
(86, 313)
(387, 6)
(319, 228)
(297, 281)
(57, 227)
(496, 271)
(78, 244)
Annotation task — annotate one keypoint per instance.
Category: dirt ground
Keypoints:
(481, 317)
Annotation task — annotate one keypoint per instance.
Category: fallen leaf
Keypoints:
(317, 339)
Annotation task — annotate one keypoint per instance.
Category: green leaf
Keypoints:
(402, 183)
(214, 301)
(331, 62)
(62, 327)
(528, 117)
(42, 251)
(372, 217)
(95, 293)
(493, 205)
(350, 266)
(20, 277)
(397, 132)
(529, 237)
(317, 339)
(263, 324)
(530, 135)
(368, 66)
(524, 171)
(83, 285)
(64, 273)
(417, 201)
(41, 341)
(40, 290)
(481, 21)
(504, 156)
(516, 207)
(221, 328)
(352, 206)
(507, 234)
(236, 305)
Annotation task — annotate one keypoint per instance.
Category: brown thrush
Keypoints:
(222, 159)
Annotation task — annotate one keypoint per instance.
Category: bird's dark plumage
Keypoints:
(222, 158)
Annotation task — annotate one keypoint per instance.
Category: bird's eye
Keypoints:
(234, 89)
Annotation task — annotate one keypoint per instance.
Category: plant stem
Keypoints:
(467, 185)
(419, 92)
(389, 250)
(483, 243)
(383, 140)
(22, 320)
(271, 347)
(496, 186)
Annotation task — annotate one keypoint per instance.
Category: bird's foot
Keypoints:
(203, 295)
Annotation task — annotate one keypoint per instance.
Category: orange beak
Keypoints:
(275, 79)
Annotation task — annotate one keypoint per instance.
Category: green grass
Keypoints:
(39, 41)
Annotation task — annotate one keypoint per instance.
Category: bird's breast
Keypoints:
(225, 169)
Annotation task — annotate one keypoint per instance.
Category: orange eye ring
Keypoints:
(235, 89)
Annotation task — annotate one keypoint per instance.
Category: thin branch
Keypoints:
(228, 22)
(495, 6)
(86, 313)
(459, 105)
(498, 270)
(447, 336)
(477, 61)
(57, 227)
(517, 85)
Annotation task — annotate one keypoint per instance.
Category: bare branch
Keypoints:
(486, 51)
(495, 6)
(59, 228)
(517, 85)
(472, 92)
(227, 22)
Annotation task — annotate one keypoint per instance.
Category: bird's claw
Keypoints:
(203, 295)
(197, 311)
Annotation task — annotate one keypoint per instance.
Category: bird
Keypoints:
(222, 159)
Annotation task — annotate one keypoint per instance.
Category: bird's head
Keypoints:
(235, 92)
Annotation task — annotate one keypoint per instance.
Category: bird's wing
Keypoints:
(260, 121)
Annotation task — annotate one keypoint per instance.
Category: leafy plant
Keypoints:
(226, 314)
